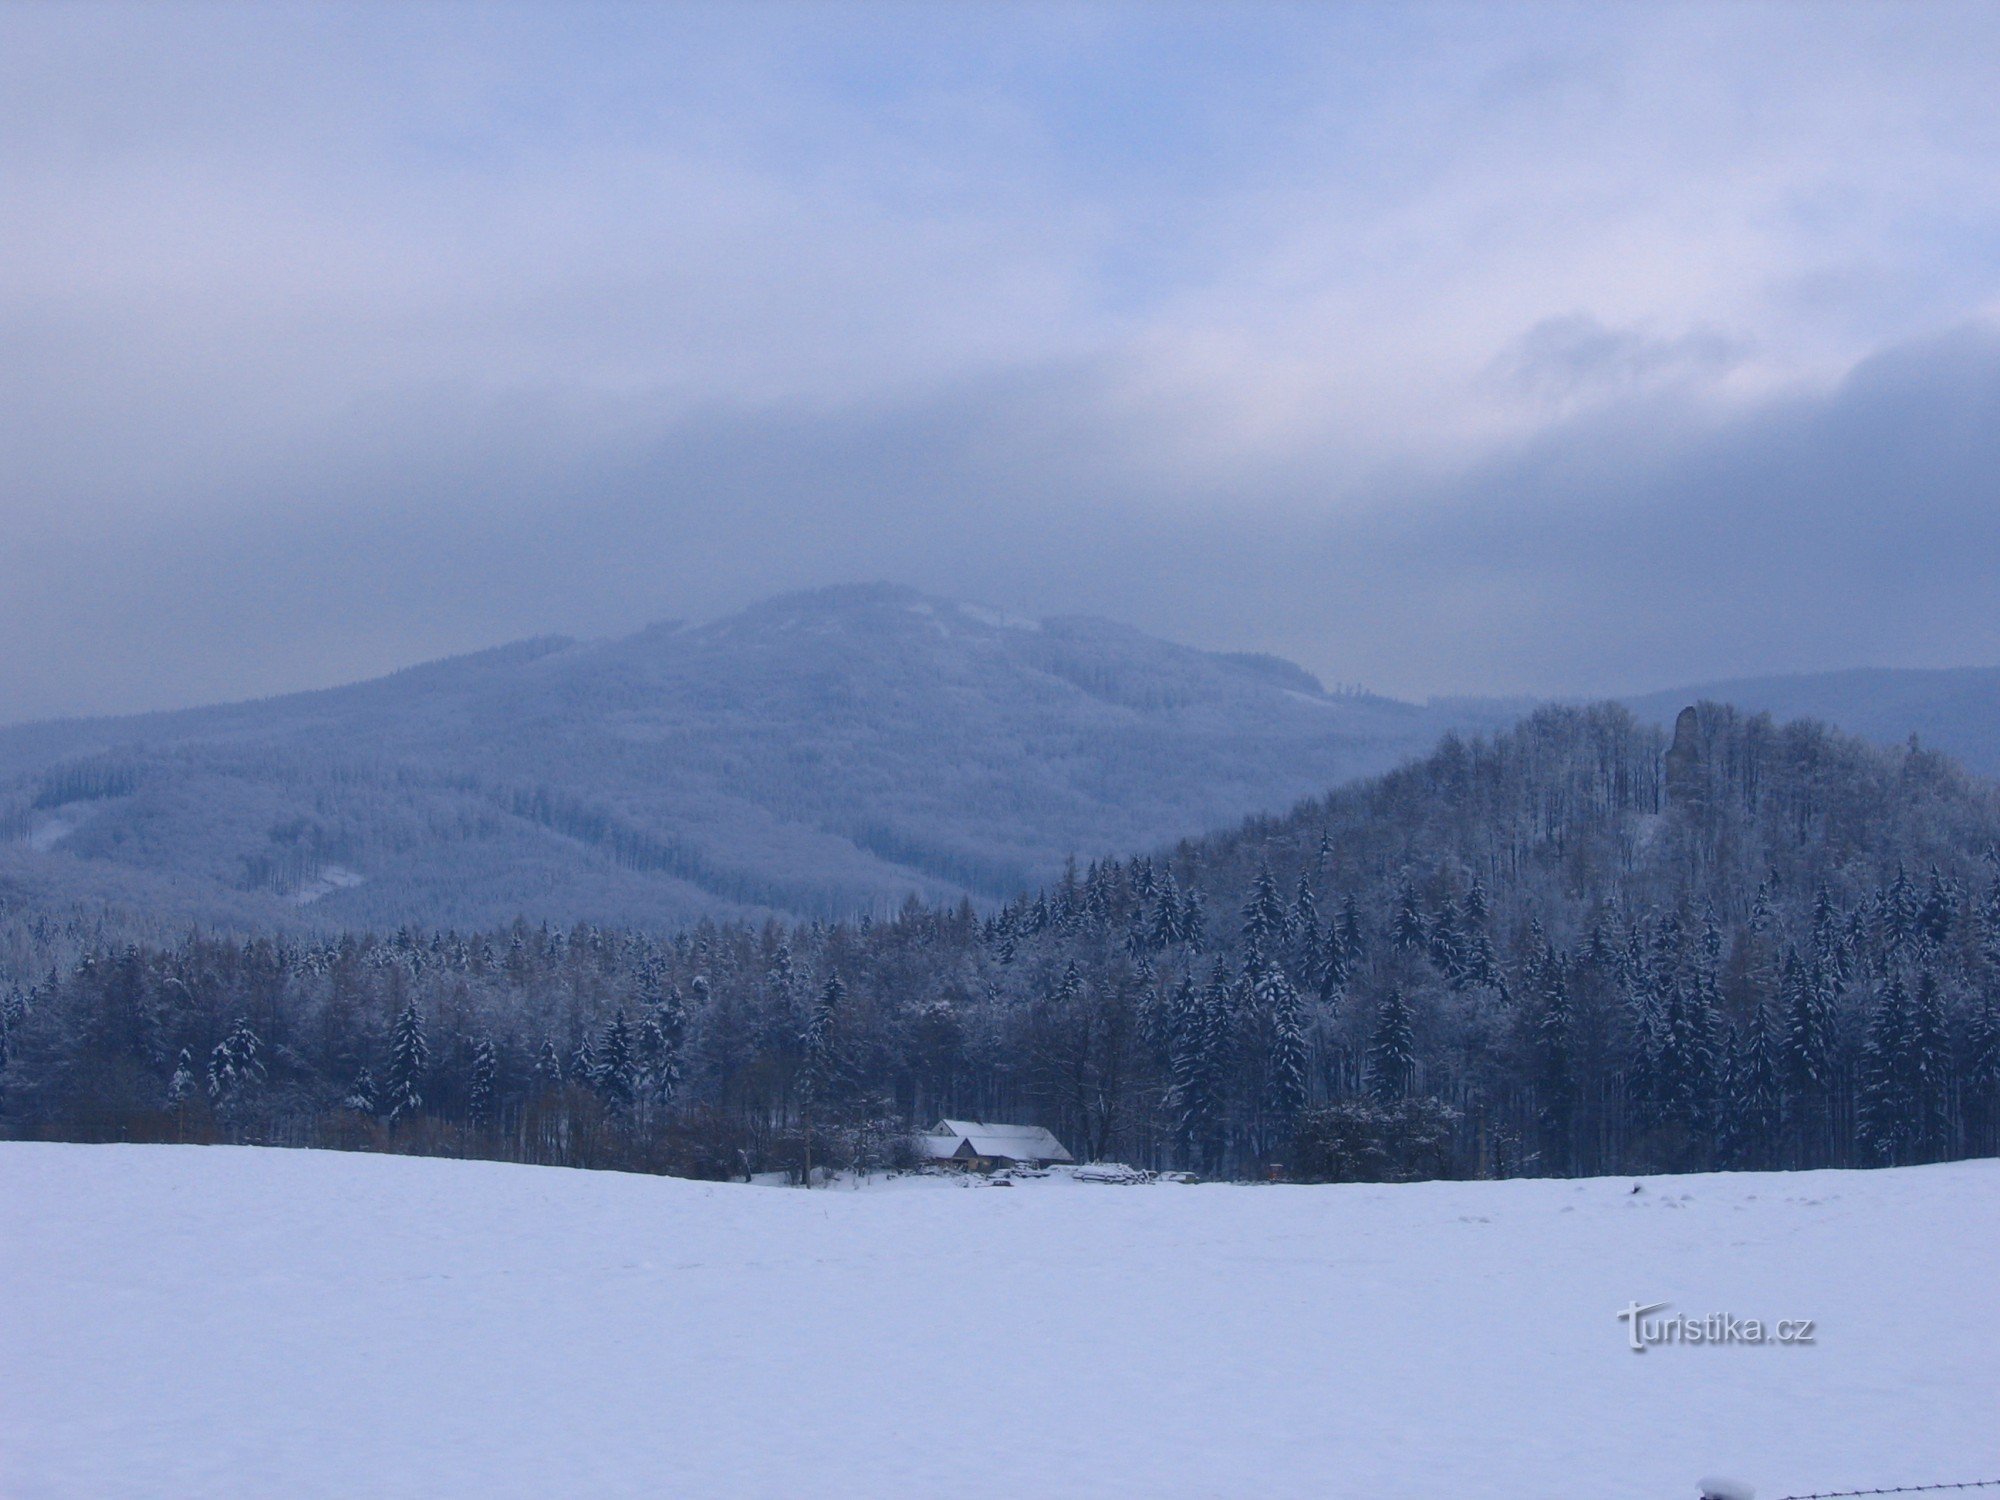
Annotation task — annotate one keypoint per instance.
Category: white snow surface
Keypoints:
(179, 1321)
(331, 878)
(52, 830)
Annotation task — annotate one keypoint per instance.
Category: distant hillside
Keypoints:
(818, 755)
(1955, 710)
(1571, 948)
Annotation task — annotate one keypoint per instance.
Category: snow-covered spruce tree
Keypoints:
(1392, 1052)
(361, 1094)
(1165, 930)
(1192, 931)
(1930, 1065)
(617, 1066)
(1756, 1100)
(1303, 918)
(548, 1075)
(1408, 933)
(481, 1089)
(181, 1086)
(1889, 1093)
(1210, 1050)
(1689, 1066)
(819, 1075)
(662, 1034)
(583, 1063)
(409, 1063)
(1284, 1058)
(236, 1064)
(1808, 1047)
(235, 1070)
(1353, 938)
(1186, 1105)
(1264, 924)
(1328, 974)
(1446, 946)
(1896, 917)
(820, 1071)
(1555, 1056)
(1982, 1077)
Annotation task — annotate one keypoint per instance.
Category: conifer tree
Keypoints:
(1392, 1053)
(236, 1065)
(1353, 946)
(1930, 1067)
(1328, 973)
(180, 1087)
(1938, 909)
(1304, 915)
(479, 1098)
(1264, 925)
(1808, 1047)
(1889, 1096)
(1829, 947)
(1285, 1058)
(1407, 932)
(662, 1032)
(1446, 945)
(1166, 928)
(1982, 1076)
(617, 1072)
(409, 1061)
(583, 1063)
(1202, 1067)
(1555, 1052)
(548, 1067)
(1190, 1102)
(1754, 1096)
(361, 1093)
(1476, 905)
(1193, 933)
(1690, 1058)
(819, 1077)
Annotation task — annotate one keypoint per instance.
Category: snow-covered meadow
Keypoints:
(179, 1321)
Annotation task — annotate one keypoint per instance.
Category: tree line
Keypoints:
(1572, 948)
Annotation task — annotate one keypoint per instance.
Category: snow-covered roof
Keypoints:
(1012, 1142)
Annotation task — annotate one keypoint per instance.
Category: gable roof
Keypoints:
(950, 1138)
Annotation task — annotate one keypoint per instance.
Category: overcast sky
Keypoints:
(1441, 348)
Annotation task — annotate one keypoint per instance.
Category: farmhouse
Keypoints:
(975, 1145)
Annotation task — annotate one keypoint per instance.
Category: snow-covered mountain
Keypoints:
(818, 754)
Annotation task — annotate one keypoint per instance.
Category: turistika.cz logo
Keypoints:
(1643, 1332)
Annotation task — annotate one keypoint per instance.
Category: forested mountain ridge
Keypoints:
(1953, 709)
(1575, 947)
(818, 755)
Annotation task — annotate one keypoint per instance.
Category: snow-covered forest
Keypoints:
(1565, 950)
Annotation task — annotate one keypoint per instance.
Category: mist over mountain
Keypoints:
(818, 755)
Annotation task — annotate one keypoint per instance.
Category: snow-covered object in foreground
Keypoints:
(1110, 1171)
(315, 1325)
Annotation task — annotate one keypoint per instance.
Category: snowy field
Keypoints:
(179, 1321)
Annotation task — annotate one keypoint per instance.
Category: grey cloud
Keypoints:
(1579, 355)
(1646, 544)
(339, 338)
